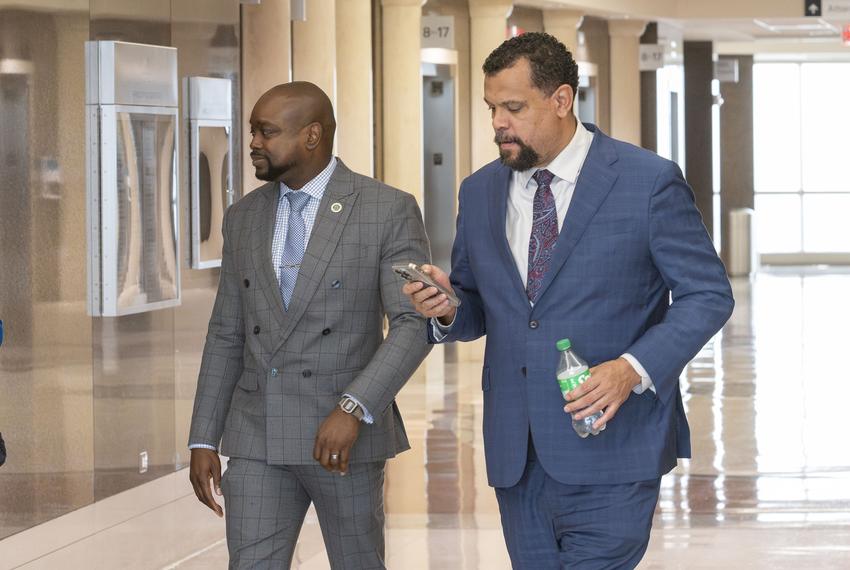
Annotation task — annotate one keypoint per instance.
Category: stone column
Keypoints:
(354, 109)
(487, 30)
(266, 62)
(402, 95)
(625, 78)
(563, 24)
(314, 46)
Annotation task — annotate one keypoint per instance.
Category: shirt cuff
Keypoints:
(367, 417)
(645, 380)
(439, 330)
(202, 446)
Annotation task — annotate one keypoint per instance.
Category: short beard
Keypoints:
(526, 158)
(274, 172)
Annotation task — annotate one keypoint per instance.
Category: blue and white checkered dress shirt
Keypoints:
(316, 189)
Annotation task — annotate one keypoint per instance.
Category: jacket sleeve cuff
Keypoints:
(645, 380)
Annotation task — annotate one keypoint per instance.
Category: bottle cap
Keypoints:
(563, 344)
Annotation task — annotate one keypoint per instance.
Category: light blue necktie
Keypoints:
(293, 247)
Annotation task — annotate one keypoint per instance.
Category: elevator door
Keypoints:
(438, 116)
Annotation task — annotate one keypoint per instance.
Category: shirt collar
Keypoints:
(568, 163)
(315, 187)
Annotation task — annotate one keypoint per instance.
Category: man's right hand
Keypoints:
(428, 301)
(203, 467)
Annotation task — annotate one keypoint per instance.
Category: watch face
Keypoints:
(349, 405)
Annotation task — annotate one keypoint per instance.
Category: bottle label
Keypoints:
(570, 383)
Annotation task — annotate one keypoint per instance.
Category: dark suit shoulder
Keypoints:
(631, 157)
(480, 181)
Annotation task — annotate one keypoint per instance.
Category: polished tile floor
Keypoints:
(768, 487)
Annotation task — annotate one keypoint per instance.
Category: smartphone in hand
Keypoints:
(412, 272)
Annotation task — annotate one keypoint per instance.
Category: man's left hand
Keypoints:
(336, 436)
(608, 387)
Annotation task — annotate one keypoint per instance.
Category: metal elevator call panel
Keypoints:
(132, 174)
(209, 111)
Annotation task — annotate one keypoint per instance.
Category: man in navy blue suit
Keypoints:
(572, 234)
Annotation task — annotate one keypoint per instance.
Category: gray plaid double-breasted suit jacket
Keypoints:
(270, 376)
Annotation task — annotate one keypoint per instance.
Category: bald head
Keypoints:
(292, 133)
(304, 103)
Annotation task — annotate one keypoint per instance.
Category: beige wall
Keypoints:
(265, 63)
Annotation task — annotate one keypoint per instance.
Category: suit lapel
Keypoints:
(334, 210)
(498, 207)
(262, 233)
(592, 187)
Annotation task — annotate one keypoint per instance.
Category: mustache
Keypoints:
(505, 138)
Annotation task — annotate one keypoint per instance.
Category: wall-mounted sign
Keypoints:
(812, 8)
(651, 57)
(438, 32)
(726, 70)
(827, 9)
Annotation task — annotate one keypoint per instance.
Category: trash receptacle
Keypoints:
(743, 257)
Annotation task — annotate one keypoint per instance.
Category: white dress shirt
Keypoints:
(566, 168)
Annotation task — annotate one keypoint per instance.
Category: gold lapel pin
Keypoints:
(336, 207)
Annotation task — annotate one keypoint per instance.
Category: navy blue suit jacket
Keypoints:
(632, 237)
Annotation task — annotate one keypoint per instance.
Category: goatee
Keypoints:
(525, 159)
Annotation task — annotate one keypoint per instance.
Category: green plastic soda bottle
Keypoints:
(572, 372)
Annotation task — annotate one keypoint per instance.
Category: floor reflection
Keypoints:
(768, 486)
(769, 482)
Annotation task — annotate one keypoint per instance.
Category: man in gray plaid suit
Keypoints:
(297, 380)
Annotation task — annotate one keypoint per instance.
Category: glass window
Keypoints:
(801, 121)
(825, 127)
(825, 228)
(778, 223)
(776, 123)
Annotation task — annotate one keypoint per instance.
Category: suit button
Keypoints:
(335, 284)
(257, 329)
(326, 332)
(247, 283)
(306, 374)
(274, 371)
(524, 371)
(533, 324)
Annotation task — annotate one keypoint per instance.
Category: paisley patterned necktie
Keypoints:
(544, 233)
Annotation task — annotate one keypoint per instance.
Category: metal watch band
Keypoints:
(349, 406)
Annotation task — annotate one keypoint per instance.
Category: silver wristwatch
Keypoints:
(349, 406)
